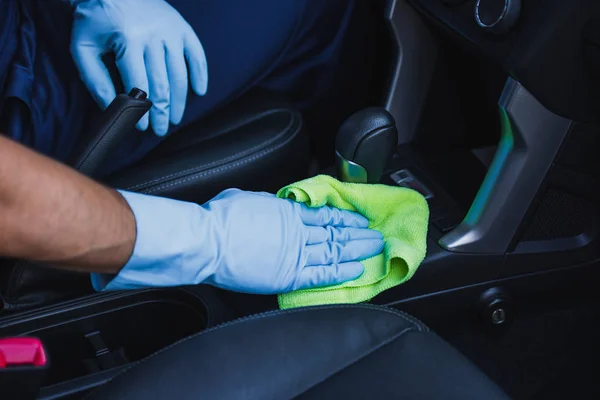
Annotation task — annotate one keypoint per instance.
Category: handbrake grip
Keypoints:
(117, 121)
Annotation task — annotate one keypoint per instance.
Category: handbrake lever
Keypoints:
(115, 123)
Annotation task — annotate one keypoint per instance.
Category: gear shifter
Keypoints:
(365, 143)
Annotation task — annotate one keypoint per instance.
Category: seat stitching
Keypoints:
(236, 155)
(269, 314)
(204, 166)
(212, 172)
(221, 169)
(417, 324)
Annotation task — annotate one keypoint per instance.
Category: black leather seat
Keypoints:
(346, 351)
(255, 143)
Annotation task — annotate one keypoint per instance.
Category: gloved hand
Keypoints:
(152, 43)
(245, 242)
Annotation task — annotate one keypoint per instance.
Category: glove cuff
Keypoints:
(170, 248)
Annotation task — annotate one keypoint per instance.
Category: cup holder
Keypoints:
(108, 331)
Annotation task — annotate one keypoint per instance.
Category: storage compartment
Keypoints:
(459, 127)
(104, 332)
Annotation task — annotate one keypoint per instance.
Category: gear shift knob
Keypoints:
(365, 143)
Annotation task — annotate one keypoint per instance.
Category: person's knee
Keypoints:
(262, 26)
(244, 42)
(271, 43)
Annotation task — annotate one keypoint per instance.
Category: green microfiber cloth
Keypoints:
(400, 214)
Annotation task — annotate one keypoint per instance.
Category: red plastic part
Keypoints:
(22, 352)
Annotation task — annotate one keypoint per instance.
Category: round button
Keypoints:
(138, 94)
(497, 16)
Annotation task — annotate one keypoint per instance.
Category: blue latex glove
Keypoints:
(245, 242)
(152, 43)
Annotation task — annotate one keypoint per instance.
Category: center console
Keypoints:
(532, 227)
(550, 46)
(90, 340)
(529, 233)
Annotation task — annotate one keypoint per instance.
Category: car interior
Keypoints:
(489, 108)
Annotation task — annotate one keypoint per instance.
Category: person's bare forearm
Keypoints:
(51, 213)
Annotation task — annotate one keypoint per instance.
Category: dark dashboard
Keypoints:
(551, 46)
